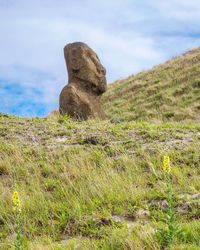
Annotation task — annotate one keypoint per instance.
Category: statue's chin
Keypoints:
(99, 90)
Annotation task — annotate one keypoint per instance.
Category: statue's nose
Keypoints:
(103, 70)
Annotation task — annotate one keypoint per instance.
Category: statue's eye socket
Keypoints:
(94, 60)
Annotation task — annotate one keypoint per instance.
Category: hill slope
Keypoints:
(101, 184)
(97, 185)
(170, 91)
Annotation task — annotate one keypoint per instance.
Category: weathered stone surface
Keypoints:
(86, 83)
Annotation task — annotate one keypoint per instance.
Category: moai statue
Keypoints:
(80, 98)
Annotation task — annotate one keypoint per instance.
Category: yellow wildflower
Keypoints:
(16, 202)
(166, 164)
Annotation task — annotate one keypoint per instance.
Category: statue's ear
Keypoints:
(74, 61)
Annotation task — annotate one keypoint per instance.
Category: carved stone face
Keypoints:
(84, 65)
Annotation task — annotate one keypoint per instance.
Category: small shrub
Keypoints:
(167, 234)
(18, 221)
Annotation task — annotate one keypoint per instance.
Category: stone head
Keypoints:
(84, 66)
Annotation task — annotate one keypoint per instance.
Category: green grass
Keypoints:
(170, 91)
(75, 178)
(100, 184)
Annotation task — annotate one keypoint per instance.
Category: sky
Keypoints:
(128, 35)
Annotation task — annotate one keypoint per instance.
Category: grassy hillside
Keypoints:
(170, 91)
(97, 185)
(101, 184)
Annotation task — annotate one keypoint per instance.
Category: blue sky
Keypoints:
(128, 35)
